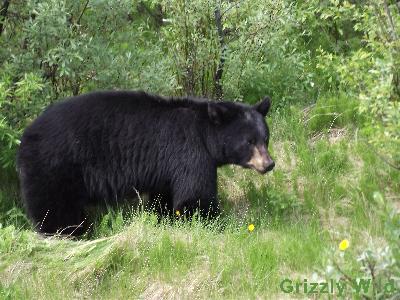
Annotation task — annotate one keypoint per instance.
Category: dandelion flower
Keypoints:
(178, 213)
(344, 245)
(251, 227)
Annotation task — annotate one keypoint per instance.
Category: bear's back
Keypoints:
(79, 126)
(75, 112)
(104, 102)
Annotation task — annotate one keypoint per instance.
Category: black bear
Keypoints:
(101, 146)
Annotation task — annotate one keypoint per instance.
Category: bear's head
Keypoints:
(243, 134)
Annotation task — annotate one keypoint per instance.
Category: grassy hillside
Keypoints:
(328, 185)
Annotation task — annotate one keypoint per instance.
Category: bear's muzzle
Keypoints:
(261, 161)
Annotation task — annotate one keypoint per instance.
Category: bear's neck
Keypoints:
(213, 145)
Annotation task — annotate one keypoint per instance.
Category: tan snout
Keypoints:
(261, 161)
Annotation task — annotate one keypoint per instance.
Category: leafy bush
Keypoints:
(370, 74)
(242, 46)
(19, 103)
(266, 58)
(281, 73)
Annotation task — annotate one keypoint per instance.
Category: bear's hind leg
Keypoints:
(67, 219)
(56, 208)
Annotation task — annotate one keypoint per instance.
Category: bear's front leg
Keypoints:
(193, 192)
(160, 203)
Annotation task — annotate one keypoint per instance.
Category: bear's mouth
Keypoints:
(261, 161)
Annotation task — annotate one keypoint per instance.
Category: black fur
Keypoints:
(99, 147)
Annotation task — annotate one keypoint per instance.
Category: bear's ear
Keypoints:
(263, 106)
(216, 112)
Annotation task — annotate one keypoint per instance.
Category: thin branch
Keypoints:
(230, 7)
(347, 277)
(317, 115)
(380, 156)
(389, 16)
(218, 74)
(380, 23)
(83, 11)
(333, 121)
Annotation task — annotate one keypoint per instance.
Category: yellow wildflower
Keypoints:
(251, 227)
(178, 213)
(344, 245)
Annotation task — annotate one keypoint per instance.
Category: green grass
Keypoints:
(149, 259)
(323, 190)
(331, 111)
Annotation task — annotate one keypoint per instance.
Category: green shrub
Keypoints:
(369, 73)
(19, 103)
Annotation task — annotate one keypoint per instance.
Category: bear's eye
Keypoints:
(251, 141)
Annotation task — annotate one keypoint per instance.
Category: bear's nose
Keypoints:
(270, 166)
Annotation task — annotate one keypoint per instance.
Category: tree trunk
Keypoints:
(218, 89)
(3, 14)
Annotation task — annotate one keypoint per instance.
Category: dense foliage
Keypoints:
(239, 50)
